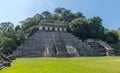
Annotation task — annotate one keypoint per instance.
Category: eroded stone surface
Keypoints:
(54, 41)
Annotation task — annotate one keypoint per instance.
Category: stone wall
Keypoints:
(36, 45)
(100, 48)
(5, 61)
(53, 43)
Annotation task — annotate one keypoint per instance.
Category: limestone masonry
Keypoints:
(52, 40)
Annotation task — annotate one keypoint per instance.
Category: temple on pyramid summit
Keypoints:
(53, 40)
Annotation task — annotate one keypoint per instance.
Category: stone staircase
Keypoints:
(5, 61)
(35, 45)
(57, 44)
(81, 47)
(1, 64)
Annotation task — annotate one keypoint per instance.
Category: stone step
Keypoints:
(40, 38)
(7, 63)
(1, 64)
(1, 67)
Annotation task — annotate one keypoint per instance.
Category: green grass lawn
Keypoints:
(65, 65)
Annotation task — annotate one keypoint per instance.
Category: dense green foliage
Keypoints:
(119, 33)
(65, 65)
(112, 36)
(76, 23)
(7, 44)
(87, 28)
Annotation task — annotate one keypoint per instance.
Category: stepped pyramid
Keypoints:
(52, 40)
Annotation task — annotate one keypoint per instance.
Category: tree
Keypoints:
(46, 14)
(17, 28)
(119, 33)
(112, 36)
(59, 11)
(64, 14)
(96, 30)
(78, 28)
(118, 29)
(55, 17)
(67, 16)
(9, 32)
(7, 45)
(31, 31)
(79, 15)
(38, 17)
(21, 37)
(5, 25)
(29, 22)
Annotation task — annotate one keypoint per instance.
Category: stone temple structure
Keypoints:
(52, 40)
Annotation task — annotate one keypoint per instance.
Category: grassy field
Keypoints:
(65, 65)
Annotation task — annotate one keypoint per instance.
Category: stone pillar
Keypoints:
(46, 28)
(65, 29)
(40, 28)
(50, 28)
(60, 29)
(56, 29)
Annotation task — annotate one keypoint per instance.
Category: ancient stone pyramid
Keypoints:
(52, 40)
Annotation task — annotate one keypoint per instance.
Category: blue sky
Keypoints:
(18, 10)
